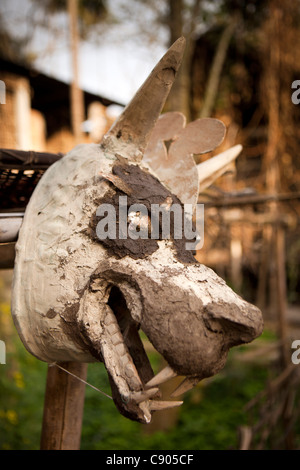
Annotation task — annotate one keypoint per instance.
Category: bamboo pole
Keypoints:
(27, 160)
(243, 200)
(63, 407)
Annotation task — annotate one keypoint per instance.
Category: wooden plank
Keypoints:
(7, 255)
(63, 407)
(9, 227)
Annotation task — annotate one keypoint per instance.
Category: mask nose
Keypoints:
(238, 326)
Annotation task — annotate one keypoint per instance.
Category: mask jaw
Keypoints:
(110, 332)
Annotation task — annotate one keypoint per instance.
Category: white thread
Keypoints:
(81, 380)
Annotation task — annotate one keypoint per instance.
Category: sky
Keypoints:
(113, 71)
(113, 66)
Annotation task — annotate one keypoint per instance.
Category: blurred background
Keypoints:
(69, 67)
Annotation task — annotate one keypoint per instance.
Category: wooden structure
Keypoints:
(36, 115)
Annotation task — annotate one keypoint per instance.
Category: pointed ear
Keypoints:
(138, 119)
(171, 149)
(166, 130)
(216, 166)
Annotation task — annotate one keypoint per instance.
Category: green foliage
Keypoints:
(22, 387)
(208, 419)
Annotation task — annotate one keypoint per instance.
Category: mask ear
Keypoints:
(172, 146)
(135, 125)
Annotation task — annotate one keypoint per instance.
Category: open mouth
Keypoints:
(194, 338)
(135, 388)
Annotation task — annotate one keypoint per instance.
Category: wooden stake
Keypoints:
(281, 293)
(63, 407)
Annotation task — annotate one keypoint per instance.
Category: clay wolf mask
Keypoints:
(78, 298)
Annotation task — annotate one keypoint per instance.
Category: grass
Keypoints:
(208, 419)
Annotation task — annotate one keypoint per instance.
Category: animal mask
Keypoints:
(77, 297)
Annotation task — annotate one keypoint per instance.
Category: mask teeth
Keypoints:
(187, 384)
(156, 405)
(164, 375)
(144, 406)
(139, 397)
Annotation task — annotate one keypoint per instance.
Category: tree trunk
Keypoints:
(76, 97)
(275, 148)
(216, 69)
(271, 156)
(179, 97)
